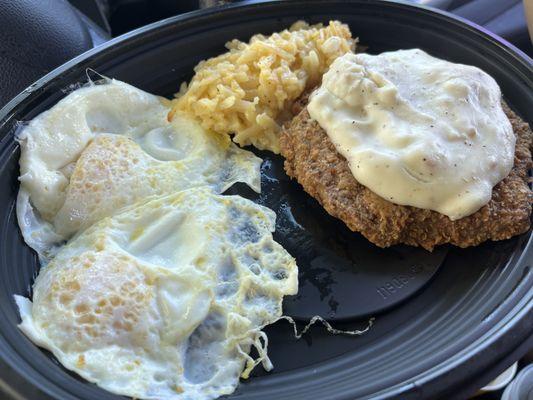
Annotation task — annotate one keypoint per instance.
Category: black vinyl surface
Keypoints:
(435, 337)
(36, 36)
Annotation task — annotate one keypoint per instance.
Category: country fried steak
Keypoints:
(311, 158)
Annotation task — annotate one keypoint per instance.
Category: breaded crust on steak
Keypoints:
(312, 159)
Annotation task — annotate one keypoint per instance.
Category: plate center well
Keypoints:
(341, 274)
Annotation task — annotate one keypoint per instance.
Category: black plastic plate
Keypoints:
(442, 340)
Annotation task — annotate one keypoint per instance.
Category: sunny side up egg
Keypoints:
(165, 299)
(110, 145)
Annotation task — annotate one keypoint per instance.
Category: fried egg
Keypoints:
(107, 146)
(164, 299)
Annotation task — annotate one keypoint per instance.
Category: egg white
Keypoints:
(107, 146)
(165, 299)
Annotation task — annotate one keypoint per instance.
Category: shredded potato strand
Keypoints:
(249, 90)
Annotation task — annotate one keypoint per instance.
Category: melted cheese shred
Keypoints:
(262, 346)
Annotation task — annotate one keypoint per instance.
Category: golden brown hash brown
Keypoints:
(312, 159)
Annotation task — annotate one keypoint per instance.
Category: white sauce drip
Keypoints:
(417, 130)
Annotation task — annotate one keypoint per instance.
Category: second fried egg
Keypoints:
(165, 299)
